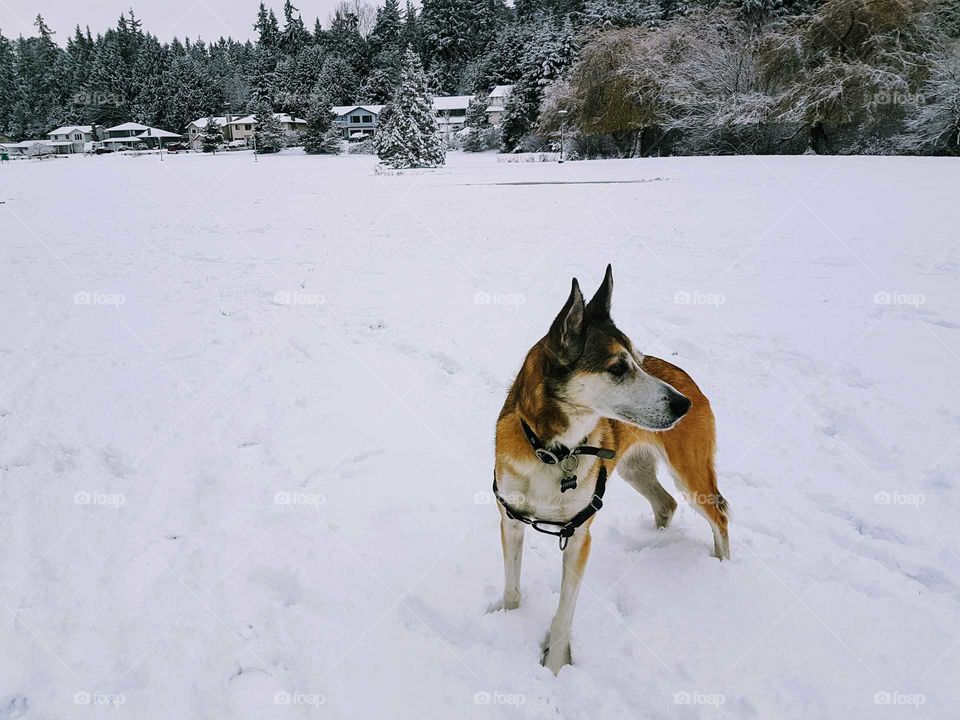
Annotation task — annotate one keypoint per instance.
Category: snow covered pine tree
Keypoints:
(321, 136)
(212, 136)
(268, 133)
(409, 138)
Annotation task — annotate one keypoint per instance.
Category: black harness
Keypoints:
(568, 460)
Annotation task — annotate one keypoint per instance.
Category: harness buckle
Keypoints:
(546, 456)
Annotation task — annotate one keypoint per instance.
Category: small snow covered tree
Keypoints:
(332, 142)
(319, 122)
(267, 133)
(409, 137)
(478, 134)
(212, 136)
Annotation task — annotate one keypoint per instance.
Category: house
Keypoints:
(356, 122)
(451, 112)
(72, 138)
(496, 102)
(30, 148)
(242, 128)
(196, 128)
(133, 134)
(124, 135)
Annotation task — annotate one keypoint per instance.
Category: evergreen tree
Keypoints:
(212, 136)
(448, 27)
(338, 81)
(520, 113)
(476, 125)
(409, 137)
(268, 31)
(319, 123)
(294, 37)
(267, 132)
(9, 89)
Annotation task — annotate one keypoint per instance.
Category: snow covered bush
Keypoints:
(936, 125)
(409, 137)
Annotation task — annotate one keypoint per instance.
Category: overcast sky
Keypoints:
(208, 19)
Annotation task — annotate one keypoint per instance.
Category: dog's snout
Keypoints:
(679, 404)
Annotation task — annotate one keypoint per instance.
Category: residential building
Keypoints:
(242, 128)
(72, 138)
(356, 122)
(496, 102)
(451, 112)
(196, 128)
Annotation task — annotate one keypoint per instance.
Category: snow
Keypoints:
(246, 421)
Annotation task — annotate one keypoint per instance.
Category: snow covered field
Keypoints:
(246, 421)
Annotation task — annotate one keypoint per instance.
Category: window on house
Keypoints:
(367, 119)
(355, 119)
(248, 127)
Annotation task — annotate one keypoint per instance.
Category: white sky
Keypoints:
(208, 19)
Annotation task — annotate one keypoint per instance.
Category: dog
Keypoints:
(585, 403)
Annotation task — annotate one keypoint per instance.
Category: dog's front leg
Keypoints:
(556, 651)
(511, 537)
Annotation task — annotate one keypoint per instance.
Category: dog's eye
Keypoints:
(620, 369)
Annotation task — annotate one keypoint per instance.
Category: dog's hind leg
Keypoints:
(639, 469)
(698, 480)
(511, 538)
(556, 649)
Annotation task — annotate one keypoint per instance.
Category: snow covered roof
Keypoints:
(451, 102)
(58, 143)
(340, 110)
(67, 129)
(130, 139)
(201, 123)
(128, 126)
(500, 91)
(282, 117)
(158, 133)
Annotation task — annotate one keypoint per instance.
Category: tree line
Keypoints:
(626, 77)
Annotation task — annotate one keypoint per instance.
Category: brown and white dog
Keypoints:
(583, 385)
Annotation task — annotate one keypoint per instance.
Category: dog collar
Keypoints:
(563, 530)
(567, 458)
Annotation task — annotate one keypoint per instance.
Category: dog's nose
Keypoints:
(679, 405)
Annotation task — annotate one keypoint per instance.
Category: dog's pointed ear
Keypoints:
(599, 305)
(565, 338)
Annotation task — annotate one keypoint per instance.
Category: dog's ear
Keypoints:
(565, 339)
(599, 305)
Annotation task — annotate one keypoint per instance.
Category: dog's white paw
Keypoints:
(555, 658)
(504, 604)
